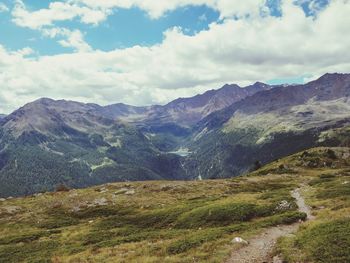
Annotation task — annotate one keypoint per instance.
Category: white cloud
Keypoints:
(94, 12)
(44, 19)
(314, 6)
(57, 11)
(24, 52)
(72, 38)
(241, 51)
(75, 39)
(3, 8)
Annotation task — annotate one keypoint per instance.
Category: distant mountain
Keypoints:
(220, 133)
(327, 88)
(49, 117)
(185, 112)
(47, 142)
(271, 124)
(2, 116)
(120, 110)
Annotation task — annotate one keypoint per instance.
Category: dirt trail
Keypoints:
(260, 248)
(301, 204)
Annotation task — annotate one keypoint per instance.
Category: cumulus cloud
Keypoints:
(3, 8)
(94, 12)
(72, 38)
(57, 11)
(44, 19)
(233, 50)
(314, 6)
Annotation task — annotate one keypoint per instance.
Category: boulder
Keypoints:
(239, 240)
(130, 192)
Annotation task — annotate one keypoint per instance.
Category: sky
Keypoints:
(144, 52)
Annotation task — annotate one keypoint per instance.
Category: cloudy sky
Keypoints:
(145, 52)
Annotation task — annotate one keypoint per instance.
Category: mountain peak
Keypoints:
(333, 76)
(230, 86)
(43, 100)
(260, 84)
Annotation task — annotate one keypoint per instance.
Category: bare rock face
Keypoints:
(189, 111)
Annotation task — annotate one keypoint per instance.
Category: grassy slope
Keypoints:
(327, 238)
(182, 221)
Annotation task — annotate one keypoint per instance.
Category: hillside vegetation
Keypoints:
(186, 221)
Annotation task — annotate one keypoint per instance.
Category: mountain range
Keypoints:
(221, 133)
(273, 124)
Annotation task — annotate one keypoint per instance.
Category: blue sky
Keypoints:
(144, 52)
(124, 28)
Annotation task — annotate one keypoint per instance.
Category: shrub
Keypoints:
(331, 154)
(326, 242)
(219, 215)
(334, 191)
(62, 188)
(29, 252)
(57, 222)
(101, 211)
(257, 165)
(286, 218)
(27, 237)
(194, 240)
(326, 176)
(57, 218)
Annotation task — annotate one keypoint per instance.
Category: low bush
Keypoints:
(31, 252)
(101, 211)
(159, 218)
(27, 237)
(57, 218)
(221, 215)
(62, 188)
(286, 218)
(334, 191)
(326, 242)
(194, 240)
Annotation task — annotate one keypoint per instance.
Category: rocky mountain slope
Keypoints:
(271, 124)
(179, 116)
(46, 143)
(198, 221)
(188, 111)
